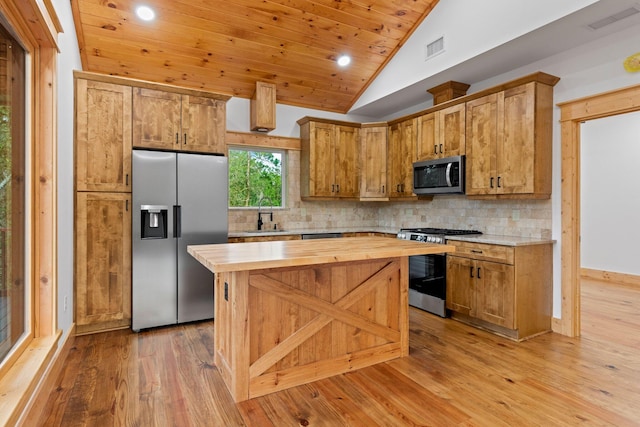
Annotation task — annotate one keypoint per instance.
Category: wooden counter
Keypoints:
(292, 312)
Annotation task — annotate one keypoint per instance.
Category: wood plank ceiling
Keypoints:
(226, 46)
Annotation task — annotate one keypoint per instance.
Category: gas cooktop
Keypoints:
(441, 231)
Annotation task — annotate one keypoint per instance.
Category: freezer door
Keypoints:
(203, 201)
(154, 268)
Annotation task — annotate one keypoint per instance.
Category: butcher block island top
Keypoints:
(276, 254)
(291, 312)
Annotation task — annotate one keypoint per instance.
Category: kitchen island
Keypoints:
(292, 312)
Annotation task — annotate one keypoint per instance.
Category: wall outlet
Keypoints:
(65, 304)
(515, 214)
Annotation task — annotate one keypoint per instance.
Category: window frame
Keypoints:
(36, 27)
(283, 172)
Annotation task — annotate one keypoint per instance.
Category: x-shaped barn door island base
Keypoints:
(291, 312)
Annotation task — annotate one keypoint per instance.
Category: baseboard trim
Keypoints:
(610, 276)
(40, 397)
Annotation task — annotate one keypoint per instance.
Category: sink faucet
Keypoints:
(262, 199)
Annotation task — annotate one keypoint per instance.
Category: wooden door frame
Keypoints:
(572, 114)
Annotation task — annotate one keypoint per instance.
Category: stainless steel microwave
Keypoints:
(439, 176)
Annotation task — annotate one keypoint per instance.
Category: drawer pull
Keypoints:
(476, 251)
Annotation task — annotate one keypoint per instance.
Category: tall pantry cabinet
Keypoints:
(113, 115)
(103, 203)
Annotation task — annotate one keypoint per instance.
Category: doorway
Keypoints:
(571, 115)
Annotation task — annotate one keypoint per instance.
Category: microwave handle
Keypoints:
(448, 174)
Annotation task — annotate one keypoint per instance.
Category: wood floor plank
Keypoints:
(455, 375)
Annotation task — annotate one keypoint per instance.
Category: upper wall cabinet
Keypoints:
(329, 159)
(373, 161)
(103, 136)
(509, 142)
(174, 121)
(441, 133)
(400, 158)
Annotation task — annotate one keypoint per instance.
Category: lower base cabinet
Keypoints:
(504, 289)
(103, 261)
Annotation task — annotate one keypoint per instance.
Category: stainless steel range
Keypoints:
(427, 273)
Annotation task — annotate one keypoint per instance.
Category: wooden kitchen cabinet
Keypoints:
(329, 158)
(501, 288)
(103, 136)
(441, 133)
(400, 158)
(373, 161)
(113, 115)
(178, 122)
(102, 261)
(509, 141)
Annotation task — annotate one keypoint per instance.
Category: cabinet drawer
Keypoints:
(483, 251)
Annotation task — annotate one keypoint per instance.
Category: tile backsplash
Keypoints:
(526, 218)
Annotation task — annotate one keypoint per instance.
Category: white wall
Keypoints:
(469, 28)
(610, 193)
(68, 60)
(286, 116)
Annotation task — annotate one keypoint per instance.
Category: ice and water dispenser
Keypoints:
(153, 221)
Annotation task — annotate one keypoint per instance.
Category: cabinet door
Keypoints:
(347, 170)
(427, 138)
(203, 124)
(495, 298)
(103, 136)
(321, 159)
(103, 261)
(481, 136)
(156, 119)
(373, 161)
(516, 148)
(402, 148)
(461, 293)
(452, 130)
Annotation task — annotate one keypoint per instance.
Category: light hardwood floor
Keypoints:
(455, 376)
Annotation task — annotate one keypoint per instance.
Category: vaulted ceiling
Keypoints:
(226, 46)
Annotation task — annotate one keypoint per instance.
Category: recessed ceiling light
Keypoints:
(145, 13)
(344, 60)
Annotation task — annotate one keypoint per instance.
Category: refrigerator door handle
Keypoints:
(177, 221)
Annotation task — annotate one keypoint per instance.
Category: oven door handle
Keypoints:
(448, 174)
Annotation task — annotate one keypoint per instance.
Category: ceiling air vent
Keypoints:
(434, 48)
(614, 18)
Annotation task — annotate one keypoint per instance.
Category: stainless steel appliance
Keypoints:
(427, 273)
(179, 199)
(439, 176)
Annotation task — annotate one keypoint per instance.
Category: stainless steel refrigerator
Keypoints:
(179, 199)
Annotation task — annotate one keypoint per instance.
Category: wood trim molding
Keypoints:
(262, 140)
(126, 81)
(47, 385)
(610, 276)
(22, 374)
(572, 113)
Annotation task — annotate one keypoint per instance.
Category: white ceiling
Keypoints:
(548, 40)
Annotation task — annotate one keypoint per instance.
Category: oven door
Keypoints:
(428, 283)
